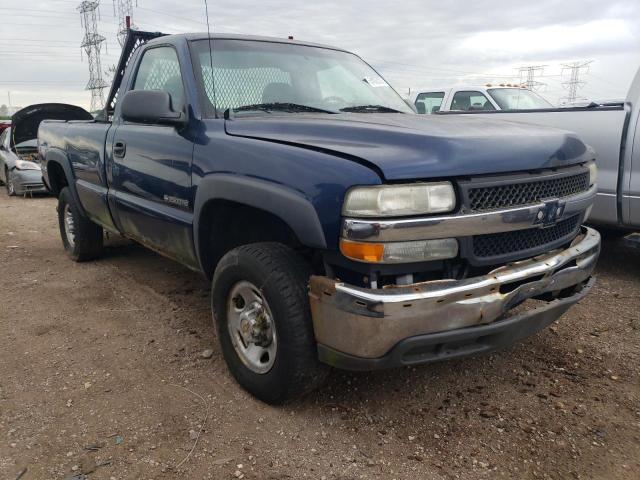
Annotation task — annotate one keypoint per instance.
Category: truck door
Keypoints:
(151, 170)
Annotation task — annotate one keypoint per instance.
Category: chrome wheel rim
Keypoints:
(251, 327)
(69, 226)
(10, 187)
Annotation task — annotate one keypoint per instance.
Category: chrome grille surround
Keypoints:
(517, 229)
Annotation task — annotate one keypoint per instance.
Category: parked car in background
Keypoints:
(18, 171)
(337, 226)
(613, 130)
(477, 99)
(19, 162)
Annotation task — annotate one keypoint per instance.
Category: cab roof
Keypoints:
(233, 36)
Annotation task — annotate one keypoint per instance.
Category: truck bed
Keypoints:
(84, 143)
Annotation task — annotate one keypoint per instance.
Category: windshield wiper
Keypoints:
(281, 107)
(370, 109)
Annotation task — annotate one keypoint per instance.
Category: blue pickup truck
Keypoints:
(338, 227)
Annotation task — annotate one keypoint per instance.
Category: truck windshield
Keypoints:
(255, 76)
(518, 99)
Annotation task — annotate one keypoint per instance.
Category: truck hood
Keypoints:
(404, 146)
(25, 122)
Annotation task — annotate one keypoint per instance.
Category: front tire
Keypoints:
(261, 311)
(82, 239)
(9, 185)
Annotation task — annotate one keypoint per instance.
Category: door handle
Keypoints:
(119, 149)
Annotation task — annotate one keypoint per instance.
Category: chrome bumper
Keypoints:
(368, 323)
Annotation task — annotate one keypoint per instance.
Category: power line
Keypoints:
(92, 45)
(528, 76)
(123, 10)
(574, 83)
(170, 15)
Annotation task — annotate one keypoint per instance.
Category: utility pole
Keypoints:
(528, 76)
(10, 107)
(574, 83)
(123, 9)
(92, 45)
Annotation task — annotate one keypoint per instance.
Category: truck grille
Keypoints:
(496, 244)
(516, 194)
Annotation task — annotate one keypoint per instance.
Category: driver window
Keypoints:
(160, 70)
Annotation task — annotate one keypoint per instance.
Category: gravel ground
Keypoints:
(102, 374)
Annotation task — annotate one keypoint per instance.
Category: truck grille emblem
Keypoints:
(549, 214)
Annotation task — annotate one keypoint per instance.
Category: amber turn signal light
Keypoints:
(364, 252)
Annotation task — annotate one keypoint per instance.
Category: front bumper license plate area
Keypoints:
(369, 323)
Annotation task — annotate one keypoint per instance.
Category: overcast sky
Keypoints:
(413, 43)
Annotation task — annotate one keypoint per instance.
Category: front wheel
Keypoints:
(261, 310)
(9, 185)
(82, 239)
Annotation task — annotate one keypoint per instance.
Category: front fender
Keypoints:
(287, 204)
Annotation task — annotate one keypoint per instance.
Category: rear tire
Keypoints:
(275, 278)
(82, 239)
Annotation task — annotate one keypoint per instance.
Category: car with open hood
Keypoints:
(337, 226)
(20, 170)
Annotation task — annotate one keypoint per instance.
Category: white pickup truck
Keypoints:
(474, 98)
(610, 129)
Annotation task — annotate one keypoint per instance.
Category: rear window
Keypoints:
(518, 99)
(470, 102)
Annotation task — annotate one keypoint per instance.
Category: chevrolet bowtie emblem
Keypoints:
(549, 214)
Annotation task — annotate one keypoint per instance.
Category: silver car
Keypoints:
(19, 169)
(19, 164)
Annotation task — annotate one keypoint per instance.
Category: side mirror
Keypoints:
(150, 106)
(420, 107)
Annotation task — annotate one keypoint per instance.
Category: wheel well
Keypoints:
(225, 225)
(57, 178)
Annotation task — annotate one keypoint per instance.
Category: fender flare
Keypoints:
(59, 157)
(287, 204)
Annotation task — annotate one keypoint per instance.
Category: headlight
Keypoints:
(399, 200)
(400, 252)
(593, 173)
(25, 165)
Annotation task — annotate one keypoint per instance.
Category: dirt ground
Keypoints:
(102, 377)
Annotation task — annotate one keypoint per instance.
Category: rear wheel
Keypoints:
(82, 239)
(262, 315)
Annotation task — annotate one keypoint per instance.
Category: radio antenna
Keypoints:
(213, 85)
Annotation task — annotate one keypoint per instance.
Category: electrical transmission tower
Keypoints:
(92, 45)
(528, 76)
(574, 83)
(123, 9)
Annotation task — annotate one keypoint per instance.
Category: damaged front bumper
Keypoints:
(27, 181)
(364, 329)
